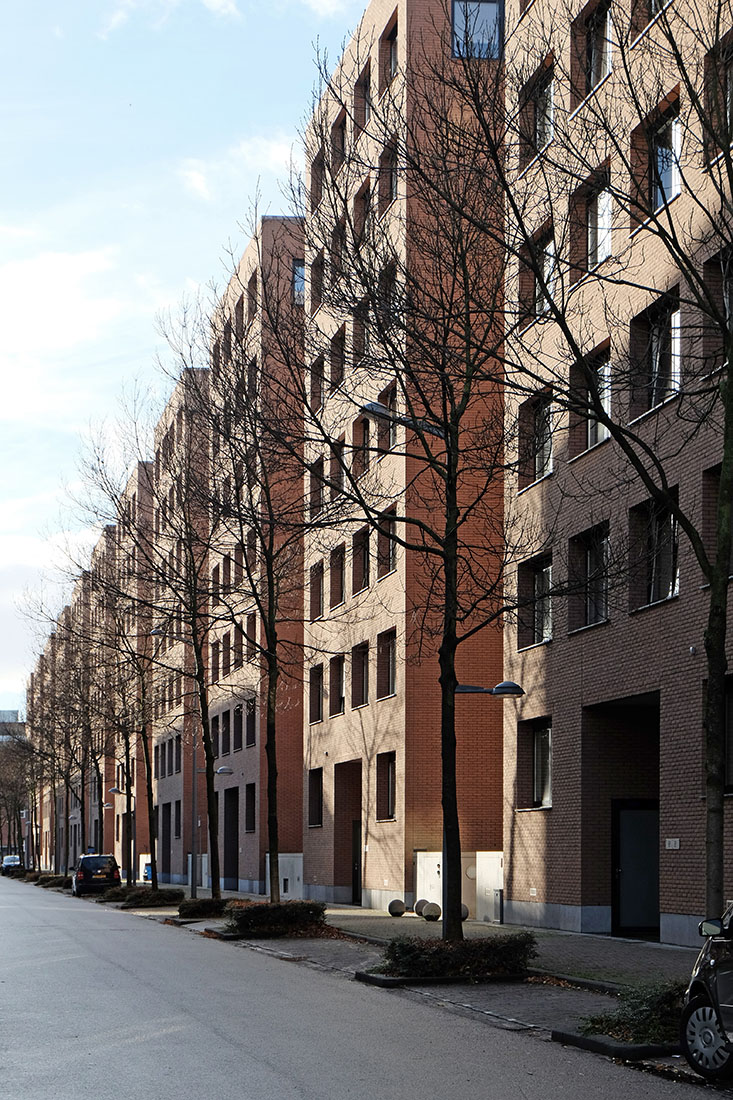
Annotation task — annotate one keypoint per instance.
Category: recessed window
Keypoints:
(338, 358)
(598, 394)
(665, 159)
(317, 279)
(589, 568)
(299, 282)
(316, 488)
(388, 55)
(386, 664)
(536, 113)
(363, 99)
(592, 50)
(215, 735)
(387, 425)
(655, 355)
(654, 545)
(477, 28)
(315, 797)
(316, 693)
(387, 177)
(338, 142)
(250, 731)
(542, 766)
(534, 582)
(337, 572)
(250, 808)
(361, 454)
(316, 591)
(336, 690)
(226, 733)
(386, 786)
(599, 226)
(535, 439)
(360, 675)
(360, 560)
(318, 169)
(386, 544)
(316, 384)
(237, 728)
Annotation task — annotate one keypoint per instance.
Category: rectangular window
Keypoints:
(215, 587)
(600, 209)
(251, 723)
(338, 142)
(654, 540)
(250, 807)
(386, 545)
(226, 654)
(338, 358)
(177, 818)
(156, 761)
(318, 168)
(336, 696)
(664, 154)
(363, 100)
(655, 352)
(215, 735)
(238, 647)
(536, 114)
(316, 384)
(214, 660)
(386, 786)
(387, 177)
(316, 488)
(534, 587)
(589, 565)
(315, 797)
(251, 633)
(316, 591)
(598, 394)
(360, 560)
(226, 738)
(360, 675)
(388, 55)
(592, 51)
(317, 279)
(386, 664)
(237, 728)
(337, 467)
(336, 571)
(360, 446)
(477, 28)
(387, 425)
(316, 693)
(178, 753)
(544, 287)
(535, 439)
(542, 766)
(299, 282)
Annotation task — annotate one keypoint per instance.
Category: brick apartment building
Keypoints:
(585, 801)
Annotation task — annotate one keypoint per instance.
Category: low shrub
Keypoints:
(475, 960)
(202, 907)
(648, 1013)
(116, 893)
(142, 897)
(32, 876)
(286, 919)
(47, 881)
(15, 872)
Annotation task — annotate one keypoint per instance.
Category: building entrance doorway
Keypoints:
(347, 832)
(635, 860)
(231, 838)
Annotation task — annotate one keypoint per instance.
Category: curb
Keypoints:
(625, 1052)
(388, 982)
(593, 985)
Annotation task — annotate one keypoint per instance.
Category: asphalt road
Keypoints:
(99, 1003)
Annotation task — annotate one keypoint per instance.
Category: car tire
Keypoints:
(703, 1043)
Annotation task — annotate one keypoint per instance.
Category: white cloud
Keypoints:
(160, 10)
(251, 157)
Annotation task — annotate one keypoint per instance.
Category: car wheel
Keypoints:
(703, 1043)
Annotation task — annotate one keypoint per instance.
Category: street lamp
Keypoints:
(376, 408)
(507, 688)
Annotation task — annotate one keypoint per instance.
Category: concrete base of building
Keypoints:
(336, 895)
(569, 918)
(380, 899)
(679, 928)
(247, 886)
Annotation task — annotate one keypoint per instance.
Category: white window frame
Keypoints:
(542, 766)
(600, 218)
(596, 430)
(670, 149)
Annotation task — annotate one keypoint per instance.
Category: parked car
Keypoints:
(8, 862)
(94, 875)
(706, 1028)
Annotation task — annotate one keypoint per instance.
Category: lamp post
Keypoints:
(506, 689)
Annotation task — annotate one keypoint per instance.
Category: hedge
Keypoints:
(284, 919)
(475, 960)
(191, 908)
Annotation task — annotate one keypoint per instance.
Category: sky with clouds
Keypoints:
(135, 137)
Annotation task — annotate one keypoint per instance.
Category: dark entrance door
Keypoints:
(356, 862)
(231, 838)
(165, 842)
(635, 854)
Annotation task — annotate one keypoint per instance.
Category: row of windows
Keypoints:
(386, 790)
(167, 757)
(360, 566)
(652, 571)
(229, 573)
(229, 727)
(360, 679)
(227, 653)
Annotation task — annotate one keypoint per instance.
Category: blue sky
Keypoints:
(135, 135)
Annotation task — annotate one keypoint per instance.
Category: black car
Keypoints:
(706, 1029)
(94, 875)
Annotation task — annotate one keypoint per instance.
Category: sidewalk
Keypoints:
(590, 969)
